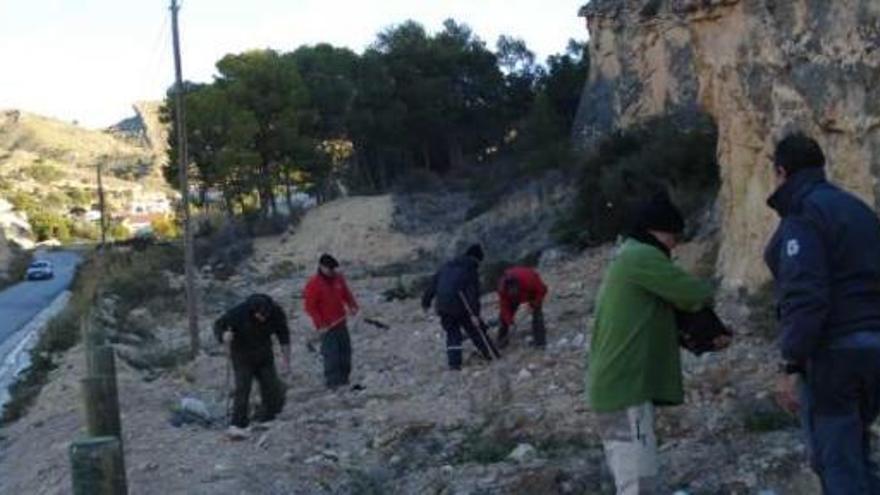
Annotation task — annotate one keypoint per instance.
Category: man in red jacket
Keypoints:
(328, 302)
(521, 285)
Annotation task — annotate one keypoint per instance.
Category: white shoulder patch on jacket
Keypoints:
(792, 248)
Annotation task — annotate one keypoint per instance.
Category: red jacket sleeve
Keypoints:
(310, 295)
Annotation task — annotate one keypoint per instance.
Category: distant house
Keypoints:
(141, 223)
(144, 203)
(92, 215)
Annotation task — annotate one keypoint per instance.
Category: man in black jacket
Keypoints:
(827, 268)
(457, 290)
(247, 330)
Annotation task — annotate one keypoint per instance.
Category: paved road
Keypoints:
(21, 302)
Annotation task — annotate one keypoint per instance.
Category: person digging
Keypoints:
(521, 285)
(247, 331)
(328, 302)
(456, 288)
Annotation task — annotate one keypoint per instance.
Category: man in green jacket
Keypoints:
(634, 360)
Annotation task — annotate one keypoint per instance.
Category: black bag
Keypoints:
(698, 331)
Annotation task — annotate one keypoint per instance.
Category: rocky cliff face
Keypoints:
(156, 133)
(760, 68)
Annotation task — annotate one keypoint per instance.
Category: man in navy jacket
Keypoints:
(456, 286)
(825, 258)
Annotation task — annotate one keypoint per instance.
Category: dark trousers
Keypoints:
(840, 398)
(271, 389)
(336, 350)
(539, 331)
(453, 326)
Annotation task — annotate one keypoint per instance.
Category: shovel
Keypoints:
(493, 352)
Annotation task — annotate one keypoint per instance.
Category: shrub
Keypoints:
(138, 276)
(259, 225)
(630, 165)
(79, 197)
(223, 246)
(117, 231)
(45, 173)
(165, 228)
(85, 230)
(47, 225)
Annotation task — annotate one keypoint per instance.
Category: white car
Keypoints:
(40, 270)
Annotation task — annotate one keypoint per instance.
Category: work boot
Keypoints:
(235, 433)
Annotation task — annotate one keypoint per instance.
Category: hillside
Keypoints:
(416, 428)
(27, 139)
(49, 167)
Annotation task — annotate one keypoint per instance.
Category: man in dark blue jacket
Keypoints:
(825, 259)
(457, 290)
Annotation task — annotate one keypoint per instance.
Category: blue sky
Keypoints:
(88, 60)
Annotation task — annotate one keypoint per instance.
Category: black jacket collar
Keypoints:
(786, 200)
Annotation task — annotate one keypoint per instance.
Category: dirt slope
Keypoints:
(418, 428)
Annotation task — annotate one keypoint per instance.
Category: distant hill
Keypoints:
(145, 129)
(48, 166)
(27, 138)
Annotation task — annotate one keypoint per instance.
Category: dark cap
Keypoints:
(328, 261)
(659, 214)
(475, 251)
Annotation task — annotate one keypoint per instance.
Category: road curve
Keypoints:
(20, 303)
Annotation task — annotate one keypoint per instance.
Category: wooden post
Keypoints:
(102, 406)
(97, 467)
(100, 361)
(183, 164)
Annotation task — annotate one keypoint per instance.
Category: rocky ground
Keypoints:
(519, 426)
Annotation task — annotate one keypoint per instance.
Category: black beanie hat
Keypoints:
(328, 261)
(659, 214)
(475, 251)
(259, 303)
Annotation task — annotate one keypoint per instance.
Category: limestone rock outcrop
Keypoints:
(761, 69)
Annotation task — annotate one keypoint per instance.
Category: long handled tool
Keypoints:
(479, 327)
(310, 343)
(226, 388)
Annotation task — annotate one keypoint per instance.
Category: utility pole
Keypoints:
(183, 166)
(101, 204)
